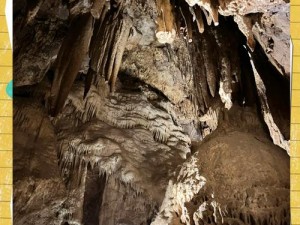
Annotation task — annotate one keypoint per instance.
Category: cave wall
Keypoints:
(130, 112)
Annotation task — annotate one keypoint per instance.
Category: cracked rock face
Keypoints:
(132, 112)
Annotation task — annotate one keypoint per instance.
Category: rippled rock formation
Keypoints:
(151, 112)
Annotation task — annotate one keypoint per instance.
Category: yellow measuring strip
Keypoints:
(6, 137)
(295, 114)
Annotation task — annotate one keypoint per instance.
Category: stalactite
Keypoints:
(199, 20)
(165, 22)
(118, 36)
(198, 92)
(120, 50)
(97, 8)
(212, 9)
(74, 49)
(177, 19)
(88, 81)
(187, 16)
(200, 75)
(99, 45)
(210, 65)
(104, 12)
(105, 57)
(108, 45)
(208, 17)
(189, 28)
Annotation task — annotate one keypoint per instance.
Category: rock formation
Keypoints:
(131, 112)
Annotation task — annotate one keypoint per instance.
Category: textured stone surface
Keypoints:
(150, 131)
(221, 198)
(272, 32)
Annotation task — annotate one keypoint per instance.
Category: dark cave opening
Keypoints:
(277, 86)
(94, 188)
(234, 46)
(277, 90)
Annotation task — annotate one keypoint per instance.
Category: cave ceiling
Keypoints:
(136, 112)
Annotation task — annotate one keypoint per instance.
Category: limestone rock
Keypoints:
(151, 131)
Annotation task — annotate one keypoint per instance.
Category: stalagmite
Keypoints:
(165, 22)
(225, 96)
(188, 184)
(198, 215)
(209, 122)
